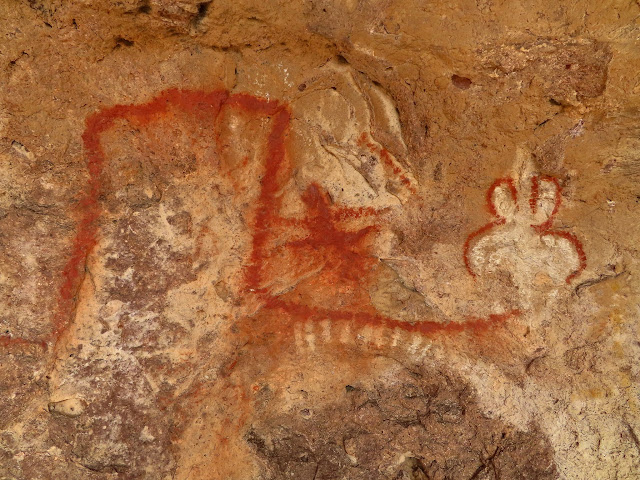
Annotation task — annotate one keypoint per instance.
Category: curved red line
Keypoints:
(499, 182)
(579, 249)
(470, 238)
(533, 201)
(543, 228)
(500, 220)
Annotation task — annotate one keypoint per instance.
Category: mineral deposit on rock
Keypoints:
(319, 239)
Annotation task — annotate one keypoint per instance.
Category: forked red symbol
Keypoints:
(544, 203)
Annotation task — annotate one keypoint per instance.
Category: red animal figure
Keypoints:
(324, 239)
(313, 267)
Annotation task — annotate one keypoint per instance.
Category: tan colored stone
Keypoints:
(321, 239)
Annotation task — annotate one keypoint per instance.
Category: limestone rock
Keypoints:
(319, 239)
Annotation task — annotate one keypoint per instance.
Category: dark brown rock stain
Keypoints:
(425, 424)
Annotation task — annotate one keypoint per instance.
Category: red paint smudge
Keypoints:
(384, 154)
(387, 161)
(535, 192)
(8, 341)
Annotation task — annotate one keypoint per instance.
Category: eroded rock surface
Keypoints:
(319, 239)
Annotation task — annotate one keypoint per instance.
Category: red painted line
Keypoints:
(303, 313)
(579, 249)
(467, 244)
(543, 228)
(505, 181)
(268, 202)
(533, 201)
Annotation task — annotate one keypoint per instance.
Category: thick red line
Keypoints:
(268, 203)
(302, 313)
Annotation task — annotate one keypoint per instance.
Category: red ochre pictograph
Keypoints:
(541, 229)
(336, 292)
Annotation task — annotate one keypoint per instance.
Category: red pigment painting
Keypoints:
(336, 292)
(542, 229)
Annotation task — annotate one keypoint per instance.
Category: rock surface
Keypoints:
(326, 239)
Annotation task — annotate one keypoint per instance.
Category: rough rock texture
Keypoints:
(321, 239)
